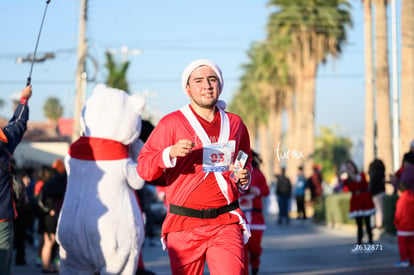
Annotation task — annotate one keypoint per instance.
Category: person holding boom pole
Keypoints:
(10, 137)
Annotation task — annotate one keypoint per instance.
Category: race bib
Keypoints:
(217, 157)
(246, 202)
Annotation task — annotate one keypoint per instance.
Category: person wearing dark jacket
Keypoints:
(283, 193)
(10, 137)
(376, 172)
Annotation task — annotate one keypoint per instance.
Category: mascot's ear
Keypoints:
(138, 102)
(98, 88)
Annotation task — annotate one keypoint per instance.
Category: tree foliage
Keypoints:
(116, 73)
(52, 109)
(282, 69)
(331, 151)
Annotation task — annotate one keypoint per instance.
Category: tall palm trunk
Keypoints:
(382, 85)
(300, 118)
(407, 75)
(275, 127)
(309, 114)
(252, 129)
(309, 68)
(290, 132)
(299, 108)
(369, 149)
(266, 154)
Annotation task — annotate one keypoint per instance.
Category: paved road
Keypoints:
(299, 248)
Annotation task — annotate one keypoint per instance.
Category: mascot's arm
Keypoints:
(134, 180)
(134, 149)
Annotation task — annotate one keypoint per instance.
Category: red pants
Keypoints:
(221, 246)
(253, 250)
(141, 262)
(406, 247)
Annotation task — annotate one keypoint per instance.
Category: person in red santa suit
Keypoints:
(252, 206)
(403, 216)
(361, 204)
(195, 147)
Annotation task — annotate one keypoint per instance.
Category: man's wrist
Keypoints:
(24, 100)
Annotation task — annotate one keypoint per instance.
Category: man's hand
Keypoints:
(243, 177)
(182, 148)
(27, 92)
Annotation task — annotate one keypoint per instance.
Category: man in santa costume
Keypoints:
(252, 205)
(195, 147)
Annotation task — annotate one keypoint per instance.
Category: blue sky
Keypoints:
(170, 34)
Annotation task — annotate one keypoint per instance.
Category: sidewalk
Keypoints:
(299, 248)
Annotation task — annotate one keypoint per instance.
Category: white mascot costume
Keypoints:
(100, 228)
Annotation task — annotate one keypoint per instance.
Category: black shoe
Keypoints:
(49, 270)
(21, 262)
(255, 271)
(144, 272)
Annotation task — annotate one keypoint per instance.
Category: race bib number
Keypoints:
(246, 202)
(217, 157)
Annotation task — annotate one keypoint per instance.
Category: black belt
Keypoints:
(253, 210)
(210, 213)
(357, 192)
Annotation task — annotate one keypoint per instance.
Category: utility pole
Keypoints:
(395, 98)
(81, 77)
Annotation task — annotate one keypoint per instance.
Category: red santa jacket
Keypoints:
(404, 213)
(361, 200)
(185, 177)
(251, 201)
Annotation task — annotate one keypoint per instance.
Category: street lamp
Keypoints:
(125, 51)
(29, 58)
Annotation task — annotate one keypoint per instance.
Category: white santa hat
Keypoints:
(194, 65)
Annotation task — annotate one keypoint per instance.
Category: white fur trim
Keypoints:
(405, 233)
(258, 227)
(245, 226)
(362, 213)
(195, 64)
(168, 162)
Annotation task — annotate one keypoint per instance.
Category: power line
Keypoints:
(172, 80)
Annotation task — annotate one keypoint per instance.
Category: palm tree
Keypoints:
(53, 110)
(245, 104)
(331, 151)
(116, 73)
(316, 29)
(252, 101)
(271, 76)
(382, 85)
(369, 151)
(407, 75)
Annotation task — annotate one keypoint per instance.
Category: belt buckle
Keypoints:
(210, 213)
